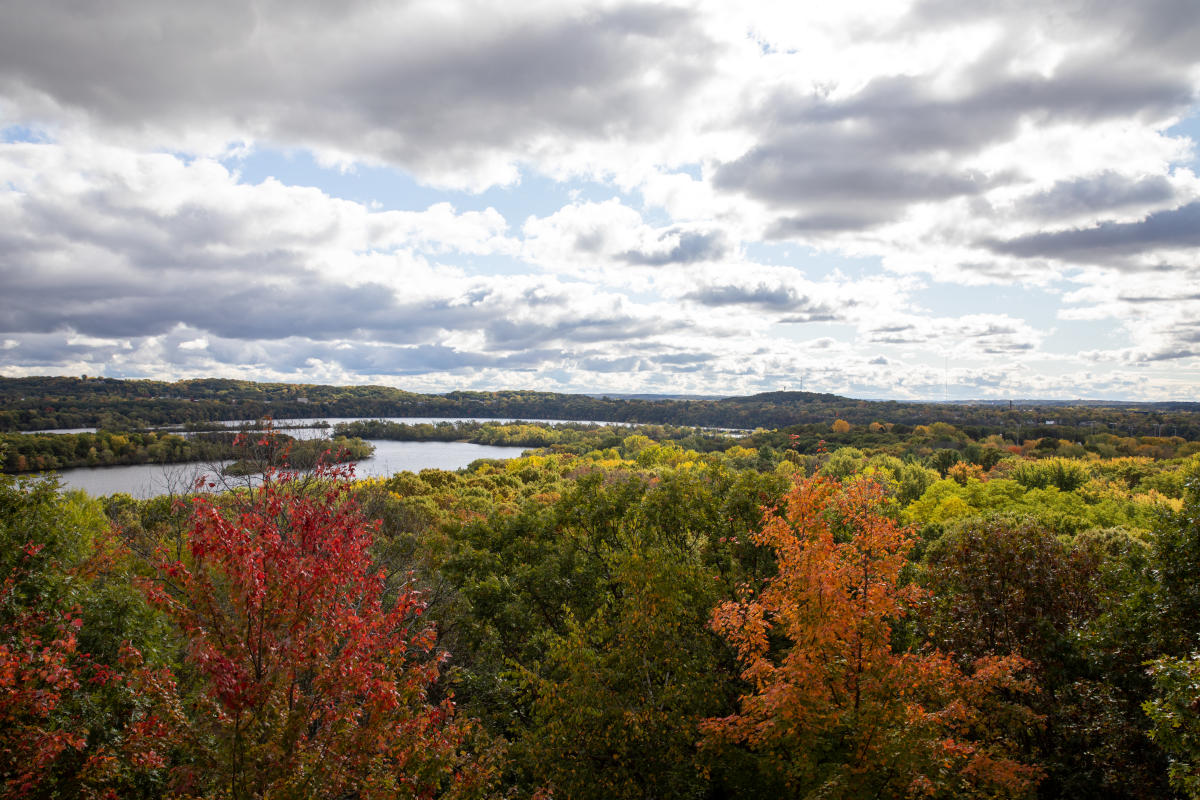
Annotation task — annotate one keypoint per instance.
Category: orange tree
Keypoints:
(834, 701)
(311, 678)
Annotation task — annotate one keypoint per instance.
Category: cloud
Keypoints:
(1098, 194)
(683, 247)
(970, 335)
(457, 92)
(1173, 229)
(134, 249)
(685, 196)
(856, 162)
(770, 298)
(611, 241)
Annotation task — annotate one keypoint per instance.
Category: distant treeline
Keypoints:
(54, 402)
(976, 444)
(938, 446)
(560, 437)
(21, 452)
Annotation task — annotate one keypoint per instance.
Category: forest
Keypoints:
(37, 452)
(30, 404)
(830, 610)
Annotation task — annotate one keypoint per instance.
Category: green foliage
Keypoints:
(1175, 719)
(74, 717)
(1063, 474)
(943, 460)
(906, 480)
(843, 462)
(1009, 585)
(626, 688)
(257, 452)
(56, 402)
(39, 452)
(1174, 565)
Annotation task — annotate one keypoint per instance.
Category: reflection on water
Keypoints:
(149, 480)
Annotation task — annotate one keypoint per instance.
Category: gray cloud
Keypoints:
(819, 223)
(689, 247)
(272, 278)
(769, 298)
(506, 334)
(239, 277)
(421, 90)
(684, 359)
(1106, 192)
(1138, 299)
(293, 354)
(1167, 29)
(859, 161)
(622, 364)
(986, 335)
(1106, 242)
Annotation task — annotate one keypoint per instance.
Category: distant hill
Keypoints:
(60, 402)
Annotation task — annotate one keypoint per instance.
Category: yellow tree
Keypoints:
(833, 702)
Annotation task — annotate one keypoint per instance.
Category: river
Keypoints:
(148, 480)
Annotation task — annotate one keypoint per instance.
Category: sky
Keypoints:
(920, 200)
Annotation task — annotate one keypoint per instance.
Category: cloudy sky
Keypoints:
(878, 199)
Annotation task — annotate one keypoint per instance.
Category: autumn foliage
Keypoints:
(73, 723)
(314, 680)
(639, 621)
(36, 671)
(839, 705)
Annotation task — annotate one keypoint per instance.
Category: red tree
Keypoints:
(35, 673)
(50, 703)
(315, 681)
(842, 710)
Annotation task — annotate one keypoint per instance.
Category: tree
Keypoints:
(1175, 719)
(1156, 620)
(315, 679)
(77, 712)
(841, 708)
(620, 695)
(1007, 584)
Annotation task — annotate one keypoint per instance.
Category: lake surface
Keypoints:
(149, 480)
(300, 428)
(303, 428)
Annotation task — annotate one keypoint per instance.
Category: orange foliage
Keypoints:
(840, 426)
(964, 471)
(840, 708)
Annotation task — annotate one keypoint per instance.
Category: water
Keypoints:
(149, 480)
(302, 431)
